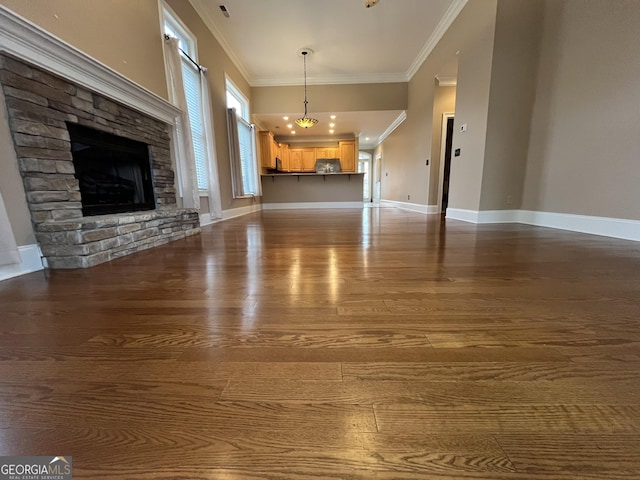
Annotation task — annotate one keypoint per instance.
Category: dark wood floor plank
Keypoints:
(377, 354)
(147, 409)
(561, 392)
(493, 371)
(560, 453)
(498, 418)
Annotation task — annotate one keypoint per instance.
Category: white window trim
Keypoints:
(231, 87)
(168, 15)
(240, 96)
(256, 173)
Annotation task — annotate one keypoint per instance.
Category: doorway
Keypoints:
(364, 166)
(445, 161)
(377, 178)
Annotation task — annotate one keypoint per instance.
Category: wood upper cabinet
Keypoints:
(304, 159)
(308, 159)
(295, 159)
(268, 149)
(327, 152)
(347, 155)
(285, 157)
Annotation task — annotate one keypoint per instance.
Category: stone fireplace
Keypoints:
(48, 116)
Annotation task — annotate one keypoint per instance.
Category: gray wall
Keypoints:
(584, 153)
(472, 103)
(406, 149)
(330, 98)
(513, 84)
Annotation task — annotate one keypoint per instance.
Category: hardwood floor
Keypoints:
(376, 344)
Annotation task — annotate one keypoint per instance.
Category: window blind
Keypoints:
(191, 78)
(245, 139)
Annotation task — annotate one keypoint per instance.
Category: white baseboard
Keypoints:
(605, 226)
(305, 205)
(470, 216)
(240, 211)
(205, 218)
(414, 207)
(31, 262)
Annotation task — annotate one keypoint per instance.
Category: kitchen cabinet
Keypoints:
(295, 159)
(327, 152)
(285, 157)
(302, 159)
(347, 155)
(308, 159)
(268, 149)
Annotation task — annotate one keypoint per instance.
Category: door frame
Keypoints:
(369, 161)
(443, 143)
(376, 177)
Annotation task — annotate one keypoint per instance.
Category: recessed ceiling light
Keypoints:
(289, 125)
(330, 131)
(293, 132)
(333, 117)
(285, 118)
(366, 139)
(332, 125)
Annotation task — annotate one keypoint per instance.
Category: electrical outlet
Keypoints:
(509, 200)
(427, 162)
(408, 197)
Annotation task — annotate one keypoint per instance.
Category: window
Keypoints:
(237, 101)
(243, 159)
(191, 79)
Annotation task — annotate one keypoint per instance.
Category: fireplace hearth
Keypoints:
(90, 204)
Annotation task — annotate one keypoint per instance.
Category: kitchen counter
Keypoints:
(312, 190)
(311, 174)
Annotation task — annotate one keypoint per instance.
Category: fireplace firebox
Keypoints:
(114, 172)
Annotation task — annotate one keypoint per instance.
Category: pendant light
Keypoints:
(304, 121)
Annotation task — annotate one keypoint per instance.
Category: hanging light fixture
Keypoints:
(304, 121)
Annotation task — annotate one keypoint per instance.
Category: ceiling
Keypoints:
(351, 44)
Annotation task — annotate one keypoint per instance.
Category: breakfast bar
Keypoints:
(312, 190)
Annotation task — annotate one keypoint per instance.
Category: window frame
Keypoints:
(189, 43)
(232, 89)
(243, 117)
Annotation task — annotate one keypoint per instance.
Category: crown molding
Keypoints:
(205, 14)
(396, 123)
(27, 41)
(445, 22)
(331, 80)
(447, 80)
(450, 15)
(294, 139)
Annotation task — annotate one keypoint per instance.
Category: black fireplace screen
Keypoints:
(114, 172)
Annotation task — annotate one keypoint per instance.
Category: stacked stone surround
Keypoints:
(39, 106)
(88, 241)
